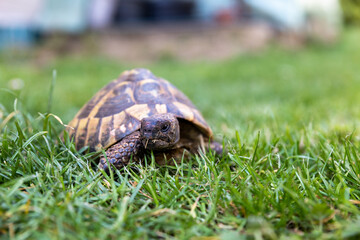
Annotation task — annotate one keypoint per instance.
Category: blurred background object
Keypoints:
(22, 21)
(17, 19)
(65, 15)
(320, 20)
(101, 13)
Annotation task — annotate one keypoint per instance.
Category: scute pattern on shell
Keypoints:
(117, 109)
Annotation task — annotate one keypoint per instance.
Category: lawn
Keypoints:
(287, 118)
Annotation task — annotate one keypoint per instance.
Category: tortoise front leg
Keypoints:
(122, 152)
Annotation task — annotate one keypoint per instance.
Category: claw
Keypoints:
(147, 141)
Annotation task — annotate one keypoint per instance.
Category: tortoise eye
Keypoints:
(165, 127)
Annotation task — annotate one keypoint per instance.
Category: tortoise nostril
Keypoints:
(147, 132)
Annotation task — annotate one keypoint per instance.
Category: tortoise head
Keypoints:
(160, 131)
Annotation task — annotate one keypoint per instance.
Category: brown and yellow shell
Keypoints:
(117, 109)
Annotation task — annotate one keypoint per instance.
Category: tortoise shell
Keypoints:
(117, 109)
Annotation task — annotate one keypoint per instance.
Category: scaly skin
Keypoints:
(119, 154)
(131, 148)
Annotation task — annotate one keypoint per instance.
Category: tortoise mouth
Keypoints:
(155, 144)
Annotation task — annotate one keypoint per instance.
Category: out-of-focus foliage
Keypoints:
(351, 11)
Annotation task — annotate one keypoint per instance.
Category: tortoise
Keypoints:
(139, 114)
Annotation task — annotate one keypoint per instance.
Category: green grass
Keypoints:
(288, 119)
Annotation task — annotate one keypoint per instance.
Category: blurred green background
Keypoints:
(315, 85)
(240, 72)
